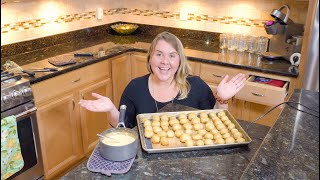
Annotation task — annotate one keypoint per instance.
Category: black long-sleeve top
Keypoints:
(138, 99)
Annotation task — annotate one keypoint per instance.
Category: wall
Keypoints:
(39, 18)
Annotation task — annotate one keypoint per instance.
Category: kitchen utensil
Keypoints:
(44, 69)
(110, 138)
(82, 54)
(122, 152)
(61, 62)
(15, 68)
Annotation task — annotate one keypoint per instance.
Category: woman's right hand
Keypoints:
(101, 104)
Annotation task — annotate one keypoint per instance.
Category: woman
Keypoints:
(169, 81)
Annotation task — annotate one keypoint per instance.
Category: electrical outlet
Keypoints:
(99, 13)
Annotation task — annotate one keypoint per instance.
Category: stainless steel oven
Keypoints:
(17, 99)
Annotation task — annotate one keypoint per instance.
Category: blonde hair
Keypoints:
(184, 69)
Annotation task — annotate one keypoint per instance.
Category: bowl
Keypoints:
(124, 29)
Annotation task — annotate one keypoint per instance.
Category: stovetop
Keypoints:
(9, 78)
(15, 90)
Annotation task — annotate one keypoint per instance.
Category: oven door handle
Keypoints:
(27, 112)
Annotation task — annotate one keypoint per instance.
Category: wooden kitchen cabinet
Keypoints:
(195, 68)
(93, 123)
(138, 65)
(59, 134)
(245, 105)
(260, 98)
(66, 130)
(121, 76)
(212, 75)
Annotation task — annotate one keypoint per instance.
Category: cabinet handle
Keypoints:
(219, 76)
(75, 80)
(260, 95)
(73, 104)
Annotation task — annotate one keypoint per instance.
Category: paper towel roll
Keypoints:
(295, 59)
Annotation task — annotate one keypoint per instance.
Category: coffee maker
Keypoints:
(286, 41)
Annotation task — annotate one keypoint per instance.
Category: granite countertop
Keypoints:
(108, 45)
(291, 148)
(225, 163)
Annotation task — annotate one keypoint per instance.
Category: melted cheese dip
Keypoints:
(120, 139)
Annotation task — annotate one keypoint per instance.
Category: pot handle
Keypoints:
(122, 116)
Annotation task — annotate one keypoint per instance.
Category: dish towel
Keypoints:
(11, 157)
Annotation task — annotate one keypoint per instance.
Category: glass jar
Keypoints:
(223, 41)
(251, 44)
(261, 45)
(232, 42)
(242, 43)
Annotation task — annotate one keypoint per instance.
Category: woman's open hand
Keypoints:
(227, 89)
(101, 104)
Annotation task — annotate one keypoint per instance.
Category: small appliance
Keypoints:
(286, 41)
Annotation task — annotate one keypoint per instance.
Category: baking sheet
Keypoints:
(150, 148)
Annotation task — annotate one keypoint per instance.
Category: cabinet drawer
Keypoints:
(96, 71)
(214, 74)
(262, 93)
(52, 87)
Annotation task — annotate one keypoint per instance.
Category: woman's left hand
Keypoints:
(227, 89)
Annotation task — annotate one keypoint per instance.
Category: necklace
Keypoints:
(155, 102)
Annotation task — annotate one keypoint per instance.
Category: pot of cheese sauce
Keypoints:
(120, 143)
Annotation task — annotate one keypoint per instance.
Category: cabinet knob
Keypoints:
(6, 99)
(26, 91)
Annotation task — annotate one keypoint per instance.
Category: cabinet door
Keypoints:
(254, 110)
(121, 76)
(139, 65)
(93, 123)
(195, 68)
(59, 135)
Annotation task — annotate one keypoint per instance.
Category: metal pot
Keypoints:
(119, 153)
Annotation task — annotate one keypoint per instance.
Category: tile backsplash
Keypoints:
(39, 18)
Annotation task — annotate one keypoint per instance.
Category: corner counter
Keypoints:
(291, 148)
